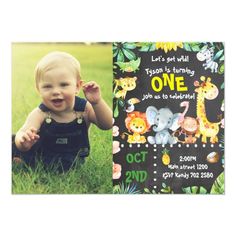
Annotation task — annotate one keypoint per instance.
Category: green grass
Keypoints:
(95, 176)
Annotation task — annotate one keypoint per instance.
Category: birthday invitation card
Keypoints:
(168, 114)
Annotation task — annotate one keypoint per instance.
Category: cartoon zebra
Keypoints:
(208, 55)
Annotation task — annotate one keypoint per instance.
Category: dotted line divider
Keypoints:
(169, 146)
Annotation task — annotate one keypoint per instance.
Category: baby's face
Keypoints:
(58, 88)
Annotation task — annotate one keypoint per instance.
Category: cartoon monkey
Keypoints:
(189, 126)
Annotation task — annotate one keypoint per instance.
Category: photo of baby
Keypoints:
(55, 149)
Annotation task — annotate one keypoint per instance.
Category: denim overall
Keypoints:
(60, 143)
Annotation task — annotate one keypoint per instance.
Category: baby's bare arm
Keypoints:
(27, 135)
(26, 139)
(98, 111)
(100, 114)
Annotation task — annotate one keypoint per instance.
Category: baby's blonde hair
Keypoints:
(56, 59)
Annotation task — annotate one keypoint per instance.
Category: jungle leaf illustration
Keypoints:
(130, 45)
(125, 189)
(222, 86)
(123, 50)
(146, 47)
(129, 54)
(202, 190)
(121, 103)
(218, 54)
(221, 69)
(196, 48)
(120, 56)
(166, 189)
(187, 47)
(222, 58)
(194, 190)
(192, 46)
(147, 191)
(218, 45)
(219, 185)
(116, 111)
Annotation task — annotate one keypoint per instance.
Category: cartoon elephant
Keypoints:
(162, 120)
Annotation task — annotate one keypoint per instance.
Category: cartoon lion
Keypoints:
(136, 123)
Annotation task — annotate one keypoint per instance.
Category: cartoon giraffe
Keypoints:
(206, 90)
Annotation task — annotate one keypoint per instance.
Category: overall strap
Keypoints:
(43, 108)
(80, 104)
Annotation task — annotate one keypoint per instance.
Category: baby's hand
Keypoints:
(28, 138)
(92, 92)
